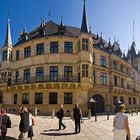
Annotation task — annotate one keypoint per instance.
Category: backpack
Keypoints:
(57, 114)
(9, 123)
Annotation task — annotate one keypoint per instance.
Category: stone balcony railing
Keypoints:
(44, 79)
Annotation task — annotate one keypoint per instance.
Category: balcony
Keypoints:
(44, 79)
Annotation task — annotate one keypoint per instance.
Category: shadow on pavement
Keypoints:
(51, 130)
(57, 134)
(10, 138)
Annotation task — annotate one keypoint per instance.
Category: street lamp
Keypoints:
(93, 101)
(118, 103)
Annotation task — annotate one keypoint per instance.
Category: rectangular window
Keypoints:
(134, 101)
(27, 51)
(115, 81)
(17, 55)
(53, 98)
(68, 98)
(39, 74)
(103, 78)
(40, 48)
(121, 68)
(15, 98)
(1, 97)
(114, 65)
(16, 76)
(4, 56)
(85, 44)
(115, 99)
(122, 83)
(68, 47)
(53, 73)
(129, 100)
(94, 78)
(122, 99)
(25, 98)
(84, 70)
(67, 73)
(26, 75)
(93, 58)
(38, 98)
(54, 47)
(103, 61)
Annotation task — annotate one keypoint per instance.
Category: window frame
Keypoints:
(25, 100)
(103, 61)
(54, 98)
(68, 47)
(85, 72)
(38, 98)
(85, 44)
(103, 78)
(39, 48)
(54, 47)
(69, 98)
(27, 52)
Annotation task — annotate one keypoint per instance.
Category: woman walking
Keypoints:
(121, 126)
(24, 122)
(5, 123)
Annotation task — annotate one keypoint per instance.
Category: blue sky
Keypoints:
(111, 17)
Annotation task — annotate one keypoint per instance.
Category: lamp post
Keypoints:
(93, 101)
(117, 106)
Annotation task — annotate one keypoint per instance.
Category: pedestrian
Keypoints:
(24, 122)
(31, 123)
(5, 123)
(77, 118)
(121, 129)
(60, 115)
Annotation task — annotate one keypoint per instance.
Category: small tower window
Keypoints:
(85, 44)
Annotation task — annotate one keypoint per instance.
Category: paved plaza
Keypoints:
(46, 128)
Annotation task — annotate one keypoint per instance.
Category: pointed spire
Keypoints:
(61, 24)
(133, 31)
(84, 27)
(8, 40)
(90, 29)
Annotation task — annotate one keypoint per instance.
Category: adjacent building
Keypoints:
(57, 64)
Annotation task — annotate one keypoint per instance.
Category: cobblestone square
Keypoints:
(46, 128)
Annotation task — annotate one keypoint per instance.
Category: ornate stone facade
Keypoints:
(56, 64)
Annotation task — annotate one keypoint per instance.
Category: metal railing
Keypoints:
(44, 79)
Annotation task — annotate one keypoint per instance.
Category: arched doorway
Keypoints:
(99, 104)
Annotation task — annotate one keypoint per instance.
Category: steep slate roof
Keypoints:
(51, 29)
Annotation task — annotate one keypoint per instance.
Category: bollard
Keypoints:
(136, 111)
(132, 112)
(95, 117)
(129, 111)
(53, 113)
(89, 114)
(35, 112)
(108, 116)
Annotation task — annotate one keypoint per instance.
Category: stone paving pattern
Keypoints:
(46, 128)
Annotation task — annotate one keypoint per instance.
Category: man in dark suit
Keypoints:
(77, 118)
(60, 117)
